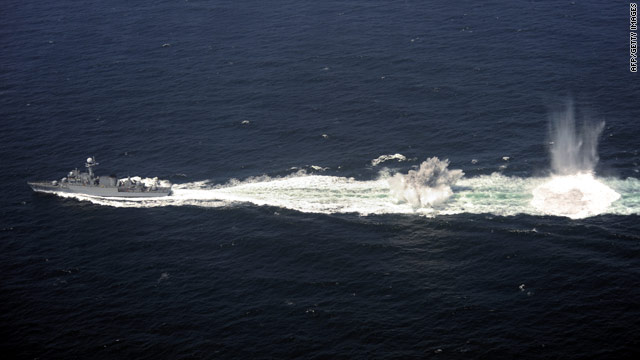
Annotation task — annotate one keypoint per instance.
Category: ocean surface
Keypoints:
(352, 180)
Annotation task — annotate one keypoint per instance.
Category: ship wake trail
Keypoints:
(487, 194)
(573, 189)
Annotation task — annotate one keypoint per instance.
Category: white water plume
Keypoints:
(573, 189)
(428, 186)
(573, 151)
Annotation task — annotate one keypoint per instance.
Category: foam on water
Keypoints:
(382, 158)
(575, 196)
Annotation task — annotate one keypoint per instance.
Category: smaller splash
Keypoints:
(382, 158)
(428, 186)
(319, 168)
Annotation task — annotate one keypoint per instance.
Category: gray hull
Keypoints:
(47, 187)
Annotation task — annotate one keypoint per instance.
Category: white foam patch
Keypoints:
(382, 158)
(575, 196)
(488, 194)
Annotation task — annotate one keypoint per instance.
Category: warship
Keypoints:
(87, 183)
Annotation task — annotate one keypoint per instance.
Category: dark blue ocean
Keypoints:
(282, 125)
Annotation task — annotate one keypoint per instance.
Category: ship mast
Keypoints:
(91, 162)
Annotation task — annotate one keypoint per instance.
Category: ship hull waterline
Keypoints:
(112, 192)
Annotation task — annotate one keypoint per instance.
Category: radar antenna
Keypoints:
(91, 162)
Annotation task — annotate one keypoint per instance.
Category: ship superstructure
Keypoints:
(87, 183)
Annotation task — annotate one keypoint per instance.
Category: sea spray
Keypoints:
(573, 151)
(428, 186)
(573, 190)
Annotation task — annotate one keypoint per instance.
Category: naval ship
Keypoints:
(87, 183)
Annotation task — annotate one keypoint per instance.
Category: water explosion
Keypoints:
(573, 189)
(428, 186)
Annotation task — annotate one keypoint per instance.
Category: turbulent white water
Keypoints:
(428, 186)
(575, 196)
